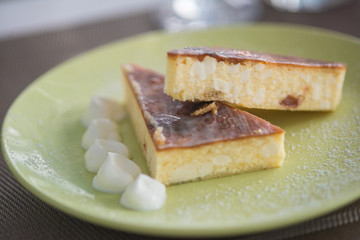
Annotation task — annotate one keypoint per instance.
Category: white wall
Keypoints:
(21, 17)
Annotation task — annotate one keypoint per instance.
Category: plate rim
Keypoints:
(170, 231)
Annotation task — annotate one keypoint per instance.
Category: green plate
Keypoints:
(42, 132)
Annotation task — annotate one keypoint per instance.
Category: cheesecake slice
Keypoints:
(253, 80)
(187, 141)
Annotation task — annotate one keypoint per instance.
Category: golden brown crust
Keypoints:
(234, 56)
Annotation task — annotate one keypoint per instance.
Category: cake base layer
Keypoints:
(178, 164)
(264, 82)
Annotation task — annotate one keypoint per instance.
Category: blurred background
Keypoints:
(23, 17)
(36, 35)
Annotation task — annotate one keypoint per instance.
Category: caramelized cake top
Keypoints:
(175, 124)
(239, 56)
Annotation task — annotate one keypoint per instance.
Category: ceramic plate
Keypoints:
(42, 132)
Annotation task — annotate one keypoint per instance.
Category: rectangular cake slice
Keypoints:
(253, 80)
(187, 141)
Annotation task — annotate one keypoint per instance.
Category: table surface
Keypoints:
(23, 216)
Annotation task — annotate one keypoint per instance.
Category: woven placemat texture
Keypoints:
(22, 215)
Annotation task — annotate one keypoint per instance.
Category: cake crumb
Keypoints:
(258, 131)
(158, 136)
(149, 118)
(213, 107)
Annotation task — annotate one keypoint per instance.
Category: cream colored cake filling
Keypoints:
(220, 159)
(254, 84)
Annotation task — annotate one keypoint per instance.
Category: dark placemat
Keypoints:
(345, 18)
(22, 215)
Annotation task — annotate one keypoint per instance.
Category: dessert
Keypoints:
(109, 159)
(253, 80)
(144, 194)
(101, 128)
(103, 107)
(115, 174)
(96, 155)
(187, 141)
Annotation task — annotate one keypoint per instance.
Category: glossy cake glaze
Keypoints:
(174, 122)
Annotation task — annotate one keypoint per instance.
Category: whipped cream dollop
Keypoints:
(100, 128)
(96, 155)
(115, 174)
(109, 158)
(103, 107)
(144, 194)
